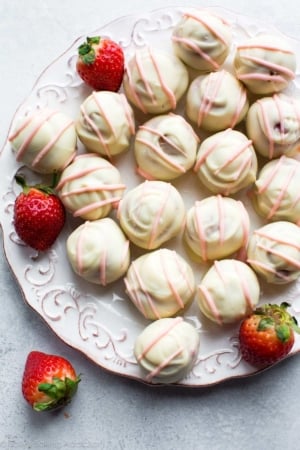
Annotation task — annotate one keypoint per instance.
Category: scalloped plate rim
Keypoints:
(68, 341)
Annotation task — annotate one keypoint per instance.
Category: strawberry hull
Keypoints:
(49, 381)
(101, 64)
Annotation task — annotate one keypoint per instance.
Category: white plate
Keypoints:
(101, 322)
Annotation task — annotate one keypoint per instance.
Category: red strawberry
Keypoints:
(101, 63)
(267, 335)
(49, 381)
(39, 215)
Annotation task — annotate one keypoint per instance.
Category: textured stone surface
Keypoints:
(110, 412)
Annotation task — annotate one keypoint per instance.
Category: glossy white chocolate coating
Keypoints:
(166, 350)
(226, 162)
(216, 101)
(276, 193)
(216, 227)
(202, 40)
(265, 64)
(106, 123)
(273, 124)
(228, 292)
(45, 141)
(151, 213)
(90, 187)
(165, 147)
(98, 251)
(274, 252)
(155, 80)
(160, 283)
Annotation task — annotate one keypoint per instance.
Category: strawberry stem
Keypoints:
(55, 179)
(59, 392)
(283, 332)
(20, 179)
(86, 51)
(265, 323)
(280, 318)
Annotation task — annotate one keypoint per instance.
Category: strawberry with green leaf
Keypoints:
(49, 381)
(39, 215)
(100, 63)
(267, 335)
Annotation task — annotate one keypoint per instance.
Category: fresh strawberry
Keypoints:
(39, 215)
(267, 335)
(49, 381)
(101, 63)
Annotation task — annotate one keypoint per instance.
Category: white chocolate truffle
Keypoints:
(216, 101)
(45, 141)
(202, 40)
(98, 251)
(273, 125)
(226, 162)
(154, 81)
(160, 283)
(274, 252)
(228, 292)
(265, 64)
(167, 349)
(165, 147)
(275, 194)
(216, 227)
(151, 214)
(90, 187)
(106, 123)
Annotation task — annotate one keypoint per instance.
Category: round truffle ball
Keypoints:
(265, 64)
(216, 227)
(273, 125)
(275, 195)
(90, 187)
(274, 252)
(106, 123)
(228, 292)
(165, 147)
(151, 214)
(167, 349)
(154, 80)
(226, 162)
(202, 40)
(216, 101)
(98, 251)
(160, 283)
(45, 141)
